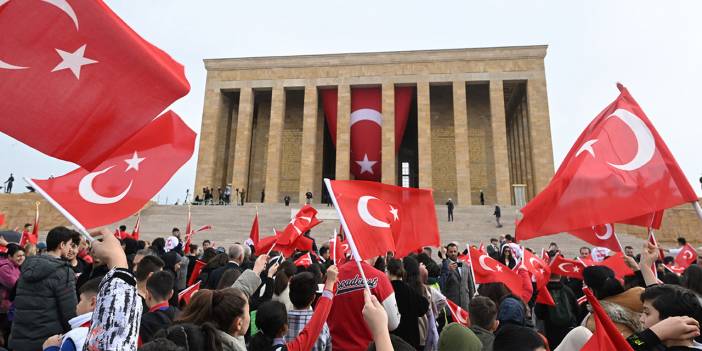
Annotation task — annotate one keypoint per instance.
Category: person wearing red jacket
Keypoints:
(272, 322)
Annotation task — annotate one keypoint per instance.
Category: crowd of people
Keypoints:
(117, 293)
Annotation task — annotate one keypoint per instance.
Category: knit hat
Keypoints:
(457, 337)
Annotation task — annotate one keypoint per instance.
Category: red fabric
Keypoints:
(606, 336)
(384, 218)
(135, 232)
(686, 256)
(253, 234)
(196, 271)
(82, 119)
(619, 170)
(458, 314)
(302, 243)
(346, 314)
(545, 257)
(541, 272)
(162, 305)
(675, 269)
(488, 270)
(121, 235)
(188, 232)
(304, 260)
(35, 229)
(339, 249)
(618, 265)
(365, 123)
(599, 235)
(308, 336)
(2, 218)
(304, 220)
(188, 292)
(567, 268)
(117, 190)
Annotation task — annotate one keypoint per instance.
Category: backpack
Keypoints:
(561, 314)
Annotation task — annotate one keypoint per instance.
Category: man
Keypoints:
(308, 196)
(206, 244)
(562, 317)
(236, 257)
(303, 287)
(348, 329)
(263, 195)
(483, 320)
(220, 196)
(159, 289)
(455, 279)
(482, 198)
(74, 339)
(497, 214)
(228, 194)
(681, 243)
(584, 253)
(242, 195)
(121, 233)
(449, 207)
(286, 199)
(9, 181)
(493, 249)
(46, 293)
(629, 251)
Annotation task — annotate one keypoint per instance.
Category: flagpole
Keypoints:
(62, 210)
(472, 272)
(334, 252)
(272, 246)
(349, 237)
(698, 209)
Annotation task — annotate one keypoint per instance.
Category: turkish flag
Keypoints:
(382, 218)
(606, 336)
(304, 220)
(567, 268)
(301, 243)
(126, 180)
(541, 272)
(458, 314)
(366, 126)
(253, 234)
(600, 236)
(135, 232)
(618, 171)
(188, 292)
(304, 260)
(675, 269)
(545, 257)
(339, 248)
(488, 270)
(196, 271)
(686, 256)
(77, 81)
(617, 264)
(2, 218)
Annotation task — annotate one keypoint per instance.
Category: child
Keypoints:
(483, 320)
(74, 339)
(303, 287)
(159, 289)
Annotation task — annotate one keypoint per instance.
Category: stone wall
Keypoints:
(292, 144)
(259, 146)
(678, 221)
(443, 145)
(479, 142)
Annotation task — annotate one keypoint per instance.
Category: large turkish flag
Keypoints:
(365, 124)
(384, 218)
(126, 180)
(76, 81)
(304, 220)
(618, 171)
(489, 270)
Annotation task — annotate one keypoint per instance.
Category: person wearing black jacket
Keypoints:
(236, 257)
(159, 289)
(46, 293)
(561, 318)
(410, 303)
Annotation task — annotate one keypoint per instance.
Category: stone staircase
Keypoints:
(473, 224)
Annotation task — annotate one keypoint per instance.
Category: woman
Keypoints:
(624, 307)
(507, 257)
(215, 262)
(227, 309)
(188, 336)
(411, 301)
(9, 273)
(281, 292)
(272, 322)
(692, 279)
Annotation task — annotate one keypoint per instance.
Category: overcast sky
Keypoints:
(653, 47)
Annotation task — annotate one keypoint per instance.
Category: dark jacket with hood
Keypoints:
(45, 301)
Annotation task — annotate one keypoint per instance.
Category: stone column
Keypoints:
(389, 173)
(539, 133)
(343, 132)
(242, 150)
(424, 134)
(309, 143)
(460, 125)
(499, 142)
(275, 136)
(213, 121)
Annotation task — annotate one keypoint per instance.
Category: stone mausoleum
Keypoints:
(478, 120)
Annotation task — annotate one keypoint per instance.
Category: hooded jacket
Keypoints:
(9, 273)
(44, 303)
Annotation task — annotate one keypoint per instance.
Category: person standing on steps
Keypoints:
(449, 207)
(482, 198)
(242, 194)
(308, 196)
(497, 214)
(9, 181)
(287, 200)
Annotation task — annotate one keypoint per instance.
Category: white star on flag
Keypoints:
(576, 269)
(499, 268)
(133, 163)
(366, 165)
(73, 61)
(394, 213)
